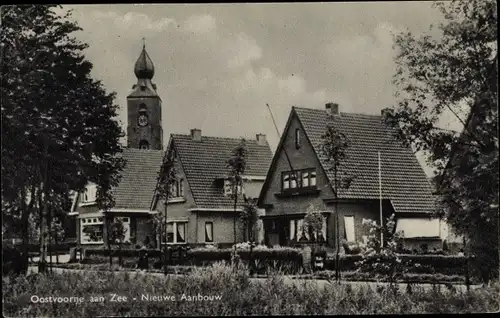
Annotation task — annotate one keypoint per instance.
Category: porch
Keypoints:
(289, 230)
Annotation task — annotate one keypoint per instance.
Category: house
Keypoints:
(406, 191)
(201, 210)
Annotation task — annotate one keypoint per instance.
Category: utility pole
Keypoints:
(337, 228)
(165, 268)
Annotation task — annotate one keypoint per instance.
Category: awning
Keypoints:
(419, 227)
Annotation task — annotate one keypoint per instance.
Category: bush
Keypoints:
(13, 261)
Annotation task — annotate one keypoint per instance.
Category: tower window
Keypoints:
(143, 107)
(143, 144)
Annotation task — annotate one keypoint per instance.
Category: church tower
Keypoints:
(144, 130)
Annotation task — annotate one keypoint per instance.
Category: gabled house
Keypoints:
(406, 191)
(132, 202)
(202, 210)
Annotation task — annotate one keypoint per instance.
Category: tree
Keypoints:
(58, 127)
(117, 236)
(249, 218)
(166, 179)
(333, 148)
(383, 261)
(455, 74)
(57, 234)
(313, 223)
(236, 165)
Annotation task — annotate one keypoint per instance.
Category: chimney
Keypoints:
(261, 139)
(386, 111)
(332, 108)
(196, 134)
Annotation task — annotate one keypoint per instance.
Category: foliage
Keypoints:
(239, 296)
(383, 261)
(333, 148)
(236, 165)
(454, 74)
(249, 217)
(58, 126)
(313, 223)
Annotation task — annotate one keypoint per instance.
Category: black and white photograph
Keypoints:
(241, 159)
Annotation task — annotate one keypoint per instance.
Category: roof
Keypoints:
(204, 163)
(139, 177)
(404, 181)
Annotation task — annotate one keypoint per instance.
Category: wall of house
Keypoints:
(301, 158)
(222, 227)
(179, 208)
(252, 188)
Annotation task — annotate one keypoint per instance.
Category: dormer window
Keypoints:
(298, 179)
(228, 188)
(177, 189)
(89, 195)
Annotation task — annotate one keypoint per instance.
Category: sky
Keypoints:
(217, 65)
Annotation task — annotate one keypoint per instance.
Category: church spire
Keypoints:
(144, 68)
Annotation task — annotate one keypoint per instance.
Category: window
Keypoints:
(286, 180)
(349, 228)
(297, 138)
(209, 232)
(304, 178)
(143, 144)
(176, 233)
(91, 231)
(312, 180)
(293, 181)
(181, 188)
(228, 188)
(89, 195)
(294, 229)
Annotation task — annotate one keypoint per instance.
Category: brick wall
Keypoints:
(301, 158)
(223, 230)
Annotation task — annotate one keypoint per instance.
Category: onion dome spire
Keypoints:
(144, 68)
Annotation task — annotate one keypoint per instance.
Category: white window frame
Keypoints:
(350, 228)
(174, 227)
(228, 188)
(89, 195)
(285, 179)
(205, 232)
(312, 178)
(97, 220)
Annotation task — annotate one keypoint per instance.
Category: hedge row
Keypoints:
(289, 260)
(429, 264)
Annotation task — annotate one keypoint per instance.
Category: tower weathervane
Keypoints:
(143, 42)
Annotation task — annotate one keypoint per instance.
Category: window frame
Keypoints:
(89, 195)
(211, 223)
(175, 232)
(353, 228)
(90, 221)
(297, 138)
(287, 177)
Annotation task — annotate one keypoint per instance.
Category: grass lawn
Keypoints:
(218, 290)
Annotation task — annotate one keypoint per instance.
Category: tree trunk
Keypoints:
(165, 251)
(108, 240)
(25, 210)
(234, 216)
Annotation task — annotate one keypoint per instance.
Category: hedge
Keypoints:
(429, 264)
